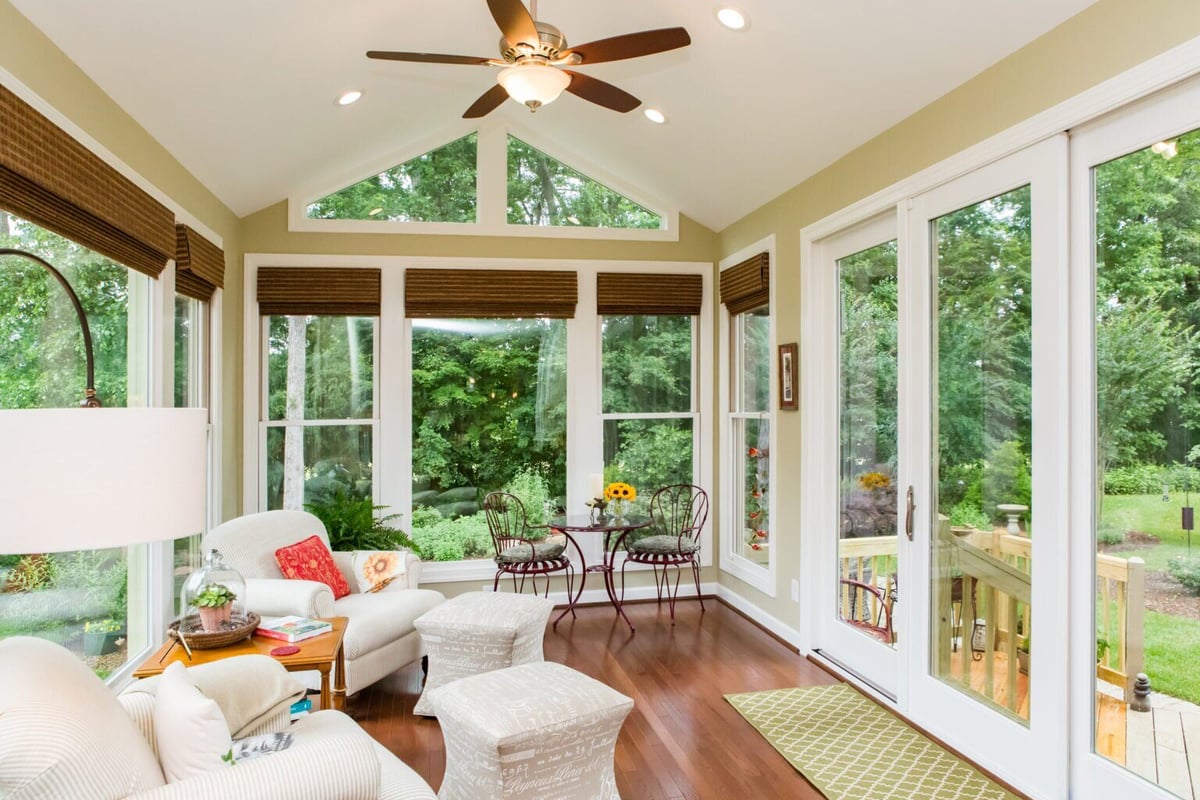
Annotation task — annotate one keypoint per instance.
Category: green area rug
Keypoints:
(851, 749)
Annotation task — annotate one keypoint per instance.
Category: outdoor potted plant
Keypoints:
(1102, 648)
(1023, 655)
(102, 636)
(215, 604)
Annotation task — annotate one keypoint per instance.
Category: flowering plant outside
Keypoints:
(103, 626)
(874, 480)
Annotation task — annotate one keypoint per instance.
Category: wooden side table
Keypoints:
(323, 653)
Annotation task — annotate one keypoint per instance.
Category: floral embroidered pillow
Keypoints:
(310, 560)
(375, 569)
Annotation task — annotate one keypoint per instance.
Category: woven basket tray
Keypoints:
(238, 629)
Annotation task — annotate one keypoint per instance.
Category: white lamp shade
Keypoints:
(535, 83)
(91, 478)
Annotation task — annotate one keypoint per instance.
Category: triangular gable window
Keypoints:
(544, 191)
(438, 186)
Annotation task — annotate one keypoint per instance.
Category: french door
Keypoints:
(936, 460)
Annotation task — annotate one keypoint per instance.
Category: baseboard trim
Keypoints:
(773, 626)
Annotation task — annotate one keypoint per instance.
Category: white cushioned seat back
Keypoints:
(249, 543)
(62, 731)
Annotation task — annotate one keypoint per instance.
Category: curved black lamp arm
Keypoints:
(89, 399)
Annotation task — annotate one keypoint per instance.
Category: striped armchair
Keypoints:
(64, 734)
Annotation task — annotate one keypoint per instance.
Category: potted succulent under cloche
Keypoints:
(215, 604)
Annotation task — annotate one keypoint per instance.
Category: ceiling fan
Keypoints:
(534, 54)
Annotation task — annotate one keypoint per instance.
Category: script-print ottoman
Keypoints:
(480, 632)
(539, 731)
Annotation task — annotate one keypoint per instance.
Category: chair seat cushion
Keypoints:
(381, 618)
(663, 545)
(523, 553)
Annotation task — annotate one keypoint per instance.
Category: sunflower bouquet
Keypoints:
(620, 494)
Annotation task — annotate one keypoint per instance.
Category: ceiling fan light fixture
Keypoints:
(350, 97)
(655, 116)
(534, 84)
(732, 18)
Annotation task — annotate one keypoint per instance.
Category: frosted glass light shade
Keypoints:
(91, 478)
(535, 85)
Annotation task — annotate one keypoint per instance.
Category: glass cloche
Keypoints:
(213, 597)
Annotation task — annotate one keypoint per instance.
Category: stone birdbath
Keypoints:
(1013, 511)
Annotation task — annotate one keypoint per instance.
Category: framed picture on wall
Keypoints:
(789, 399)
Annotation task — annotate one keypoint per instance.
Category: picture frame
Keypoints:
(789, 392)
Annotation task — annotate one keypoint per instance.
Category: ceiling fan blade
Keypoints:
(514, 20)
(630, 45)
(488, 102)
(427, 58)
(601, 93)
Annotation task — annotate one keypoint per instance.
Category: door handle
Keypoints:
(908, 515)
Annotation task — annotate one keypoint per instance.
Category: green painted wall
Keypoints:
(1099, 43)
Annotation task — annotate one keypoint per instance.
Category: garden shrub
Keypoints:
(33, 572)
(1110, 533)
(1006, 478)
(959, 480)
(969, 515)
(443, 539)
(1149, 478)
(1186, 571)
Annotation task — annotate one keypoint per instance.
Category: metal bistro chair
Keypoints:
(522, 555)
(678, 514)
(878, 624)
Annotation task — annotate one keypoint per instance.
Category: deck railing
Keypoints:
(998, 564)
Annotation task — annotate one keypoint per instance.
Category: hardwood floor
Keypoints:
(682, 739)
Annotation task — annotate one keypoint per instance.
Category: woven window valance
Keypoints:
(747, 285)
(189, 285)
(318, 290)
(467, 293)
(199, 258)
(54, 181)
(658, 293)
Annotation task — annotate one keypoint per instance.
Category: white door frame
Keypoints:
(1167, 114)
(852, 649)
(1034, 758)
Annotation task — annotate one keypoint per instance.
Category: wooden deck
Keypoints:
(1162, 745)
(1002, 683)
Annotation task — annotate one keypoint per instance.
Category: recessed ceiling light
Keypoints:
(732, 18)
(352, 96)
(655, 116)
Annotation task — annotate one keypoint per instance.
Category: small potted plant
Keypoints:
(102, 636)
(1102, 648)
(215, 604)
(1023, 655)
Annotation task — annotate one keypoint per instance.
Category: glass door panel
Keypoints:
(868, 585)
(1147, 432)
(982, 440)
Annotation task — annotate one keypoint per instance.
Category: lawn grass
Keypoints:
(1171, 641)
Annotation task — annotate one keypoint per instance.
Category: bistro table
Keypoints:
(613, 529)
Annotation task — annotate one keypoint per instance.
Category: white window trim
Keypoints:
(393, 421)
(491, 192)
(764, 578)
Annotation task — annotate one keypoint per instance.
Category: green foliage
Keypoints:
(1149, 479)
(438, 186)
(451, 540)
(214, 595)
(533, 490)
(1006, 478)
(1102, 648)
(961, 483)
(33, 572)
(102, 574)
(1109, 534)
(353, 524)
(1186, 571)
(545, 191)
(969, 515)
(108, 625)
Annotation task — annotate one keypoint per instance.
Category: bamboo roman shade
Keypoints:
(318, 290)
(199, 264)
(52, 180)
(659, 293)
(747, 285)
(467, 293)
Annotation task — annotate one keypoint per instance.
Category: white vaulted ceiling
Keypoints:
(242, 91)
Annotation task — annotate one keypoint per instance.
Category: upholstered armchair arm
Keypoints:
(342, 767)
(279, 597)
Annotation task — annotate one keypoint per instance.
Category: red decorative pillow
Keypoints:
(310, 560)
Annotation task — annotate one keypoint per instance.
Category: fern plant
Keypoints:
(352, 524)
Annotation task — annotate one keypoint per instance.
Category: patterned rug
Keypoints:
(851, 749)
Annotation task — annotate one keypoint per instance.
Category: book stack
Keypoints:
(300, 708)
(292, 629)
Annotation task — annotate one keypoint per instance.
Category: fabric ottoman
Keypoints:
(540, 731)
(480, 632)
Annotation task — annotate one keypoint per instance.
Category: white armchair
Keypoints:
(380, 636)
(64, 734)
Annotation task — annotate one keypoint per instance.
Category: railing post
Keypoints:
(1135, 621)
